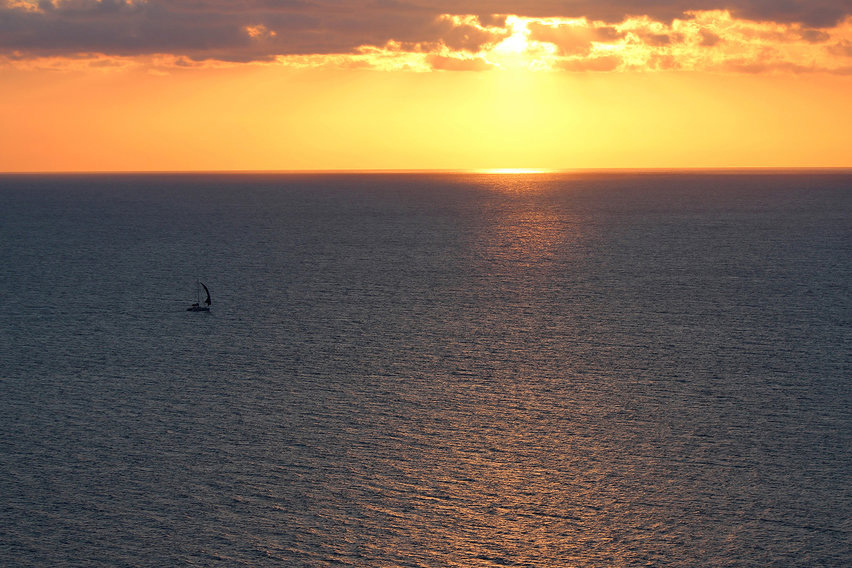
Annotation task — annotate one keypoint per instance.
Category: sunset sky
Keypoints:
(155, 85)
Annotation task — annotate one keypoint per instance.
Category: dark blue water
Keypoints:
(426, 370)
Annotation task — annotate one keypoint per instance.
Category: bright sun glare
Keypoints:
(512, 51)
(514, 171)
(518, 52)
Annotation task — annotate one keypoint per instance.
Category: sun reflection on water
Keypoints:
(508, 171)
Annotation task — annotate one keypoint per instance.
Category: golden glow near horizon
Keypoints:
(511, 95)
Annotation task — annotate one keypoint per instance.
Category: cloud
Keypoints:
(814, 36)
(708, 38)
(211, 28)
(468, 33)
(604, 63)
(435, 34)
(573, 37)
(814, 13)
(842, 49)
(443, 63)
(656, 40)
(750, 66)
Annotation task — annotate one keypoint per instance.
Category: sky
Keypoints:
(188, 85)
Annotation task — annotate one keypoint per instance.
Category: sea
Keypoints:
(450, 369)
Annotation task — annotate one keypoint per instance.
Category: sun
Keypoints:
(517, 42)
(511, 52)
(517, 51)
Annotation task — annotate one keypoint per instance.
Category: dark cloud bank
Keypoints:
(217, 29)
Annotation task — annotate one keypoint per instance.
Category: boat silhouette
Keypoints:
(197, 306)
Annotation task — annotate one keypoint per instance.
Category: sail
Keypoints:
(207, 301)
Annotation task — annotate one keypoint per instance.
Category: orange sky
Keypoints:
(706, 91)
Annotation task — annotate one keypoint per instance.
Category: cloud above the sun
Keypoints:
(572, 35)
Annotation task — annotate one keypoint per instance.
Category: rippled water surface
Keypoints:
(426, 370)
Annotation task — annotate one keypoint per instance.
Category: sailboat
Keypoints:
(197, 307)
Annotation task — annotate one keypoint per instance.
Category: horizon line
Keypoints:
(480, 171)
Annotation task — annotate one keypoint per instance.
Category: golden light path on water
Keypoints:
(444, 370)
(509, 171)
